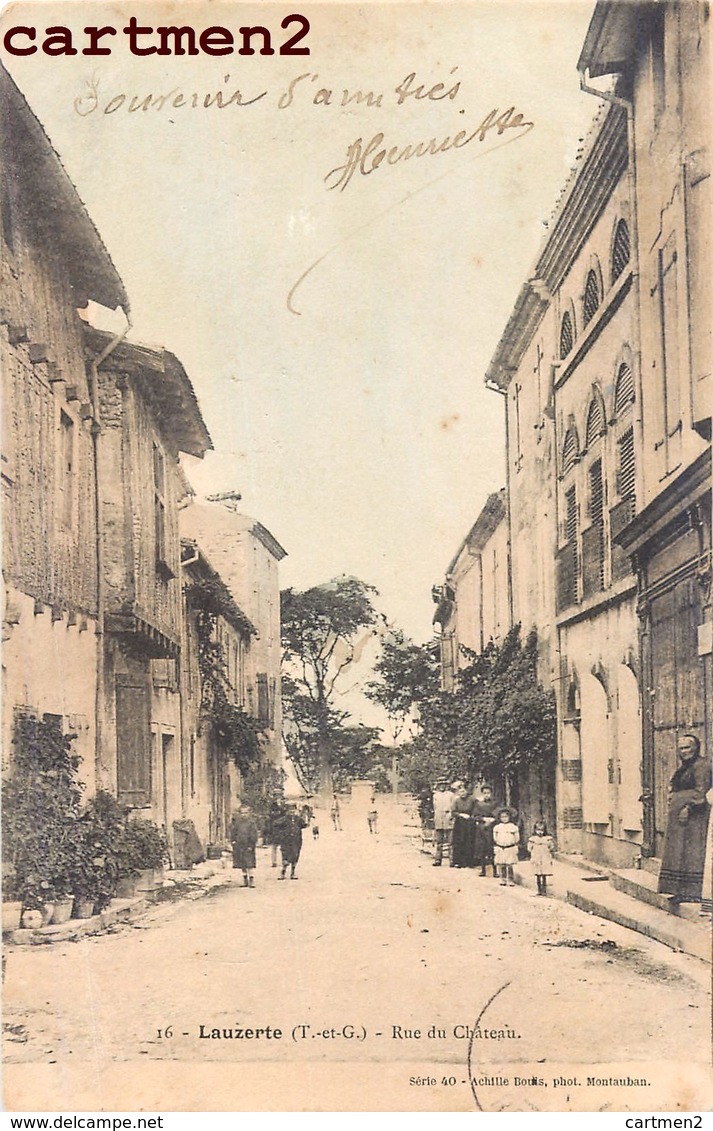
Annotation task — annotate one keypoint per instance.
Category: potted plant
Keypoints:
(95, 870)
(40, 807)
(11, 905)
(142, 853)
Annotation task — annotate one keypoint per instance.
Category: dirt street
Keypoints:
(392, 985)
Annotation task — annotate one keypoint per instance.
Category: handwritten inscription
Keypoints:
(93, 100)
(367, 158)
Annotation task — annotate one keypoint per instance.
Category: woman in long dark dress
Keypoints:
(462, 839)
(684, 850)
(289, 836)
(243, 834)
(485, 812)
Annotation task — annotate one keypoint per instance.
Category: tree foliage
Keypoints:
(237, 733)
(407, 674)
(323, 631)
(496, 722)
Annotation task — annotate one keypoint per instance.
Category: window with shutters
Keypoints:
(568, 561)
(668, 284)
(595, 421)
(626, 465)
(570, 450)
(67, 468)
(159, 494)
(593, 537)
(133, 741)
(592, 298)
(621, 250)
(566, 335)
(263, 699)
(624, 389)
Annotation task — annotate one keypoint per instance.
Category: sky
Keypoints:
(349, 409)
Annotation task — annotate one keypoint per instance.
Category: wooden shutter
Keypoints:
(263, 700)
(133, 740)
(621, 250)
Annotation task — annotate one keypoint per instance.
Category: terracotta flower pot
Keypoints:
(83, 908)
(126, 887)
(62, 910)
(150, 880)
(11, 914)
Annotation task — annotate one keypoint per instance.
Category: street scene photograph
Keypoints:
(355, 365)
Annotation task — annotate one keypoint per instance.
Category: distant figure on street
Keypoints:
(273, 815)
(443, 798)
(684, 849)
(506, 836)
(462, 837)
(373, 817)
(335, 813)
(484, 814)
(315, 831)
(289, 838)
(243, 836)
(541, 847)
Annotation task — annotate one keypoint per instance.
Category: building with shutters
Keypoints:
(211, 780)
(656, 59)
(473, 603)
(566, 366)
(148, 414)
(247, 557)
(53, 263)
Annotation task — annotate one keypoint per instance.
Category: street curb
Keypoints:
(677, 933)
(119, 912)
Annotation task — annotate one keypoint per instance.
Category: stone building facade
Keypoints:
(247, 557)
(473, 603)
(211, 783)
(148, 415)
(95, 619)
(657, 62)
(605, 370)
(53, 263)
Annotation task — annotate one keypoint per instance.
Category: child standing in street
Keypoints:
(541, 846)
(506, 837)
(372, 817)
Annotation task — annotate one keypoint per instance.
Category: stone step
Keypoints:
(584, 865)
(642, 885)
(678, 933)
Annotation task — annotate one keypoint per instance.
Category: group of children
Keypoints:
(506, 842)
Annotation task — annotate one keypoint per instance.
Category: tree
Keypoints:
(497, 723)
(355, 755)
(324, 630)
(408, 674)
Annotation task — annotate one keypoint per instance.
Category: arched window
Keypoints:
(566, 334)
(623, 389)
(596, 421)
(591, 296)
(570, 450)
(620, 251)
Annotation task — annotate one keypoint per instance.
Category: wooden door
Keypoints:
(677, 684)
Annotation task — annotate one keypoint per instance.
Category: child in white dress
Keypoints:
(506, 837)
(541, 846)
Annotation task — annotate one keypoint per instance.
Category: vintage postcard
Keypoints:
(356, 604)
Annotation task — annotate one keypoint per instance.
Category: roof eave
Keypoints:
(57, 210)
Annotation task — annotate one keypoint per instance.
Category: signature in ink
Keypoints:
(366, 158)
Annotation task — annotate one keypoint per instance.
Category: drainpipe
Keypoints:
(101, 599)
(503, 393)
